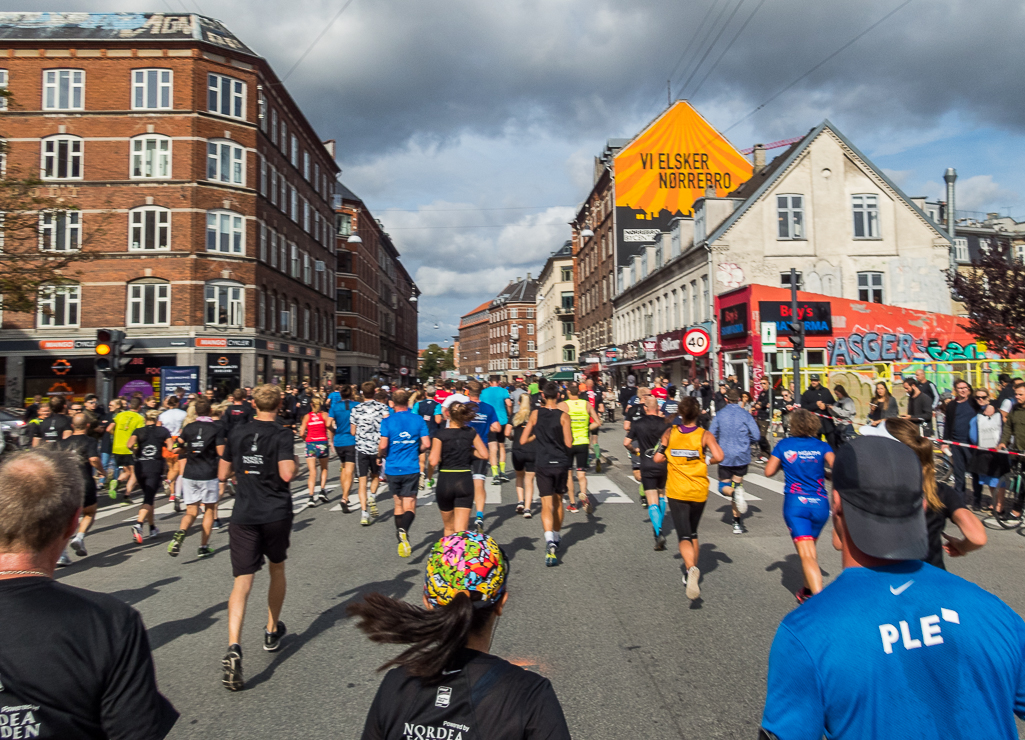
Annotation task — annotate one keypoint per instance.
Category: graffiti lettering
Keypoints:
(868, 347)
(953, 352)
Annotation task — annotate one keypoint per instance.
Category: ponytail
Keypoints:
(906, 431)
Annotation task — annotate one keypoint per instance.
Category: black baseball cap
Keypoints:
(814, 376)
(880, 483)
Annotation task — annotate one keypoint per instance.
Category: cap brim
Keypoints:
(889, 538)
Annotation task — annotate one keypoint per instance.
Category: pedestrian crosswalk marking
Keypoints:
(767, 483)
(713, 487)
(605, 491)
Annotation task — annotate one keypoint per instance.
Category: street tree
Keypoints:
(991, 290)
(435, 360)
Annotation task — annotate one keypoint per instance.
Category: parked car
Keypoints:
(15, 432)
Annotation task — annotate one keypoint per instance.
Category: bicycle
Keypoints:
(1013, 500)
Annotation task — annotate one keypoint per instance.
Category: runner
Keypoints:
(149, 443)
(454, 450)
(633, 410)
(88, 450)
(497, 397)
(455, 395)
(365, 425)
(550, 427)
(173, 420)
(684, 449)
(523, 460)
(262, 454)
(55, 427)
(670, 406)
(427, 409)
(596, 397)
(403, 436)
(124, 425)
(314, 430)
(583, 420)
(238, 412)
(734, 429)
(202, 443)
(803, 457)
(484, 422)
(344, 442)
(644, 440)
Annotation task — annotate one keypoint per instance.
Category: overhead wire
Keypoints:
(687, 47)
(728, 47)
(316, 40)
(711, 46)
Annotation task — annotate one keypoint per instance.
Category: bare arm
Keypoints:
(772, 467)
(708, 440)
(830, 457)
(435, 457)
(595, 421)
(95, 462)
(223, 470)
(425, 444)
(382, 447)
(286, 470)
(973, 531)
(480, 450)
(132, 442)
(567, 430)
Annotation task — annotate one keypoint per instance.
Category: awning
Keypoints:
(561, 375)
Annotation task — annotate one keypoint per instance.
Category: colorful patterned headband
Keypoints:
(466, 561)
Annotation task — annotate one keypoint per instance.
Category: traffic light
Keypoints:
(797, 335)
(111, 350)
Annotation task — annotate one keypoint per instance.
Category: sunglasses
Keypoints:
(982, 397)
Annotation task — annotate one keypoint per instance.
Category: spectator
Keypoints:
(817, 399)
(883, 405)
(987, 468)
(75, 664)
(928, 387)
(957, 427)
(844, 411)
(919, 406)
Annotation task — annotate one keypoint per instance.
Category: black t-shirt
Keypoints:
(526, 450)
(254, 450)
(52, 428)
(646, 432)
(456, 447)
(76, 664)
(480, 697)
(198, 442)
(86, 447)
(149, 450)
(235, 415)
(633, 412)
(935, 521)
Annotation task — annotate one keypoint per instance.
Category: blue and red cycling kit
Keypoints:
(806, 504)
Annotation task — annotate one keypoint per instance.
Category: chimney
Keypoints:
(759, 157)
(949, 177)
(528, 277)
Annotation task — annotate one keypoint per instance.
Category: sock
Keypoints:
(398, 520)
(655, 514)
(662, 506)
(494, 471)
(549, 537)
(736, 520)
(558, 536)
(640, 489)
(480, 514)
(501, 466)
(407, 521)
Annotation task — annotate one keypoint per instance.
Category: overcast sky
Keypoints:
(441, 109)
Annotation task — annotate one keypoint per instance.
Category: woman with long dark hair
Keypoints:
(883, 405)
(446, 678)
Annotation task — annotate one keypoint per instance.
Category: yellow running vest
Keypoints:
(579, 422)
(688, 473)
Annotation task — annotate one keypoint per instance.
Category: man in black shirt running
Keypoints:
(642, 441)
(55, 427)
(237, 413)
(88, 450)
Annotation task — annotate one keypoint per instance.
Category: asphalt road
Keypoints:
(628, 654)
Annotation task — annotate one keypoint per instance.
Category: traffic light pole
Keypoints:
(796, 335)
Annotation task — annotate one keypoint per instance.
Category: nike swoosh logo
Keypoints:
(900, 589)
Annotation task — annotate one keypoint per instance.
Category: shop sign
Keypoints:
(816, 315)
(670, 344)
(592, 360)
(649, 345)
(219, 365)
(186, 377)
(733, 321)
(225, 342)
(611, 354)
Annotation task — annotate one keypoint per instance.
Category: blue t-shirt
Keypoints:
(332, 398)
(341, 411)
(404, 429)
(804, 465)
(495, 397)
(899, 651)
(482, 422)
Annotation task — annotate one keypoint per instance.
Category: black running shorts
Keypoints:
(125, 461)
(728, 472)
(346, 454)
(522, 462)
(367, 465)
(653, 476)
(550, 481)
(686, 516)
(151, 482)
(249, 543)
(498, 436)
(578, 456)
(404, 485)
(454, 490)
(90, 493)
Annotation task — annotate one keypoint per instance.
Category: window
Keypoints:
(63, 89)
(284, 137)
(225, 162)
(569, 353)
(149, 304)
(262, 315)
(530, 328)
(306, 322)
(263, 177)
(62, 158)
(294, 159)
(514, 313)
(60, 231)
(224, 232)
(273, 248)
(3, 85)
(344, 300)
(306, 165)
(272, 313)
(866, 216)
(226, 95)
(151, 89)
(295, 203)
(784, 280)
(58, 305)
(567, 300)
(344, 340)
(224, 304)
(151, 157)
(307, 276)
(293, 320)
(567, 274)
(1019, 252)
(530, 346)
(273, 185)
(283, 247)
(306, 215)
(294, 272)
(960, 249)
(263, 242)
(530, 313)
(870, 287)
(149, 228)
(704, 293)
(274, 125)
(815, 357)
(790, 214)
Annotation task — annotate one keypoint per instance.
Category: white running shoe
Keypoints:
(78, 545)
(691, 582)
(739, 500)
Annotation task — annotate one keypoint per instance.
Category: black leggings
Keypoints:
(454, 490)
(686, 515)
(151, 483)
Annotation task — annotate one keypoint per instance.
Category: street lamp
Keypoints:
(354, 239)
(586, 234)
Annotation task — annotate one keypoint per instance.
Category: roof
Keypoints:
(127, 27)
(346, 193)
(519, 291)
(759, 184)
(566, 250)
(482, 307)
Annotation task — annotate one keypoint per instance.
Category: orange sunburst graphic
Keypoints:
(672, 162)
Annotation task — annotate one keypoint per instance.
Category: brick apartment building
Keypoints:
(512, 330)
(376, 307)
(202, 191)
(474, 356)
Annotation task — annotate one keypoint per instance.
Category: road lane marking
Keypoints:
(605, 491)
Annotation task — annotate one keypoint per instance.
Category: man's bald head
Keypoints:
(79, 422)
(40, 491)
(651, 405)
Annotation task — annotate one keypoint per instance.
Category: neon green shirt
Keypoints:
(125, 423)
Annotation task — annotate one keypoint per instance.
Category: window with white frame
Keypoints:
(284, 136)
(62, 158)
(531, 363)
(272, 314)
(870, 287)
(149, 228)
(151, 89)
(306, 165)
(262, 315)
(866, 216)
(273, 248)
(284, 194)
(225, 232)
(58, 305)
(3, 85)
(151, 157)
(790, 216)
(293, 320)
(306, 216)
(63, 89)
(530, 346)
(294, 159)
(294, 272)
(263, 242)
(960, 249)
(225, 161)
(224, 304)
(306, 322)
(283, 247)
(60, 231)
(294, 200)
(226, 96)
(149, 303)
(316, 175)
(274, 125)
(784, 280)
(307, 273)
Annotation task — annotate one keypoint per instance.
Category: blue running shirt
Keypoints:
(403, 430)
(804, 465)
(482, 422)
(341, 412)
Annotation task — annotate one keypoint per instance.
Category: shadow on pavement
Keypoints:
(580, 530)
(168, 631)
(791, 575)
(132, 596)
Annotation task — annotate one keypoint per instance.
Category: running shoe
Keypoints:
(312, 502)
(127, 500)
(137, 532)
(691, 582)
(232, 665)
(205, 551)
(423, 482)
(478, 524)
(272, 640)
(323, 496)
(660, 542)
(345, 505)
(430, 482)
(803, 595)
(112, 488)
(154, 532)
(364, 520)
(372, 503)
(588, 506)
(519, 508)
(177, 505)
(739, 500)
(527, 514)
(175, 546)
(551, 559)
(496, 480)
(739, 528)
(78, 545)
(404, 549)
(572, 508)
(218, 525)
(64, 560)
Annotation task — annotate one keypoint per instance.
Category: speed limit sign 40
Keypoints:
(696, 341)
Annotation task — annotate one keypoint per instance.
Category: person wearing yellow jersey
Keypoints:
(122, 428)
(582, 421)
(684, 446)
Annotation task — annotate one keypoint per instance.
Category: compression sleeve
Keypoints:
(794, 707)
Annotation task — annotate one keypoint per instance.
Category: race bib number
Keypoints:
(685, 453)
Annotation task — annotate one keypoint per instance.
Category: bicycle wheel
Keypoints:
(944, 470)
(1014, 487)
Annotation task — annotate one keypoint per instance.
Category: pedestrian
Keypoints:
(803, 458)
(75, 664)
(148, 443)
(583, 420)
(883, 405)
(485, 421)
(633, 411)
(919, 406)
(202, 444)
(957, 427)
(32, 410)
(403, 436)
(498, 398)
(314, 431)
(427, 408)
(843, 411)
(88, 451)
(987, 466)
(123, 427)
(523, 459)
(893, 648)
(928, 387)
(734, 429)
(454, 450)
(261, 453)
(54, 427)
(817, 398)
(1014, 427)
(446, 684)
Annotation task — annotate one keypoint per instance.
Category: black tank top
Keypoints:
(456, 447)
(551, 445)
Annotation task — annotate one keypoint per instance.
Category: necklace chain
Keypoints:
(24, 573)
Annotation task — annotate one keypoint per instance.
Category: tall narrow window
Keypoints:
(63, 89)
(273, 248)
(150, 228)
(263, 177)
(790, 216)
(149, 304)
(295, 151)
(263, 242)
(60, 231)
(224, 306)
(151, 157)
(151, 89)
(866, 216)
(224, 232)
(961, 249)
(62, 158)
(274, 125)
(870, 287)
(3, 85)
(226, 96)
(58, 305)
(306, 165)
(225, 161)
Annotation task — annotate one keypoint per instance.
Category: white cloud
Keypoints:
(981, 193)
